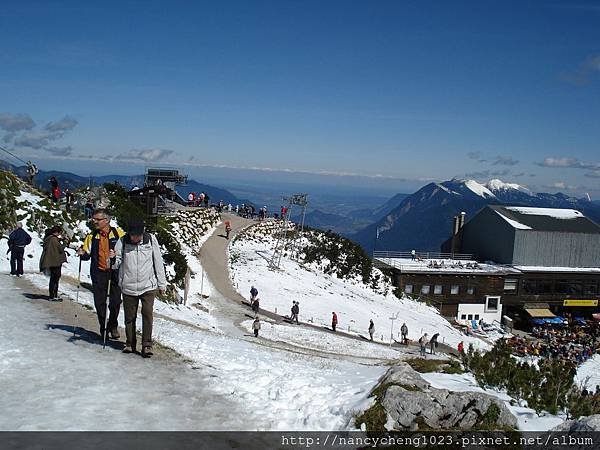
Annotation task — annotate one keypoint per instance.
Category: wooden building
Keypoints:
(538, 261)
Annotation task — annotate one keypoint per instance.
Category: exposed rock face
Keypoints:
(411, 402)
(590, 423)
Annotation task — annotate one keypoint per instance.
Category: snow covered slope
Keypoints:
(320, 294)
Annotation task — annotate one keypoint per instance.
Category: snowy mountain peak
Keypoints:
(466, 188)
(496, 185)
(479, 189)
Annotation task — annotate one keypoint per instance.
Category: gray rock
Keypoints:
(589, 423)
(405, 375)
(411, 400)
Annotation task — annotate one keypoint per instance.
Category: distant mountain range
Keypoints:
(423, 220)
(348, 223)
(73, 181)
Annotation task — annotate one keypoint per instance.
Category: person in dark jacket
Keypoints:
(404, 333)
(334, 321)
(52, 259)
(433, 343)
(17, 241)
(68, 199)
(256, 305)
(253, 293)
(295, 311)
(99, 248)
(371, 329)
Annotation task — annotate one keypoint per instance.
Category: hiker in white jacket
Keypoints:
(141, 274)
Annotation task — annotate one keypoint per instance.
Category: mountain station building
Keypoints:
(524, 262)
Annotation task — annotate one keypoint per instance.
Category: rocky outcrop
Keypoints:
(589, 423)
(411, 403)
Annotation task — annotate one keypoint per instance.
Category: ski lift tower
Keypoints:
(283, 237)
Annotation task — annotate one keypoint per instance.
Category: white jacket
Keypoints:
(141, 267)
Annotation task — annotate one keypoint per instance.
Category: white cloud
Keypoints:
(65, 124)
(146, 155)
(16, 122)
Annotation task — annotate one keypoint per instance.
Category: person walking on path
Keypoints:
(404, 333)
(52, 259)
(32, 171)
(371, 329)
(334, 321)
(141, 273)
(98, 247)
(191, 199)
(55, 188)
(253, 293)
(17, 241)
(461, 348)
(256, 326)
(295, 312)
(433, 343)
(256, 305)
(227, 229)
(68, 199)
(423, 340)
(206, 200)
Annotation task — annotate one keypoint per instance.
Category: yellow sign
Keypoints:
(580, 302)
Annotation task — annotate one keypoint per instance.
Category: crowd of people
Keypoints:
(573, 343)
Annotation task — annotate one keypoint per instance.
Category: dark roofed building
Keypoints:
(526, 236)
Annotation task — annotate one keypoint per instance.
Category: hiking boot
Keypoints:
(128, 349)
(147, 352)
(56, 299)
(114, 333)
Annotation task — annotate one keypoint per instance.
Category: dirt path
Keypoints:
(214, 258)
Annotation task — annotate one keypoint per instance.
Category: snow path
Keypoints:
(285, 390)
(53, 382)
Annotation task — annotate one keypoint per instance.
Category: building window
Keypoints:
(470, 290)
(510, 286)
(590, 289)
(408, 288)
(569, 287)
(437, 289)
(530, 287)
(491, 304)
(463, 317)
(470, 317)
(425, 289)
(476, 316)
(454, 289)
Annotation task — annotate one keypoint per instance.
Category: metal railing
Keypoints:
(422, 255)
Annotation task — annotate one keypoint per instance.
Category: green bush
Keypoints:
(544, 389)
(346, 259)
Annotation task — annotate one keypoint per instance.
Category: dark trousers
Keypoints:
(16, 260)
(100, 287)
(333, 325)
(130, 305)
(54, 279)
(255, 333)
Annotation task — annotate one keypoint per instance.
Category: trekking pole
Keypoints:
(107, 305)
(77, 295)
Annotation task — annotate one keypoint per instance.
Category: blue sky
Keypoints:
(397, 91)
